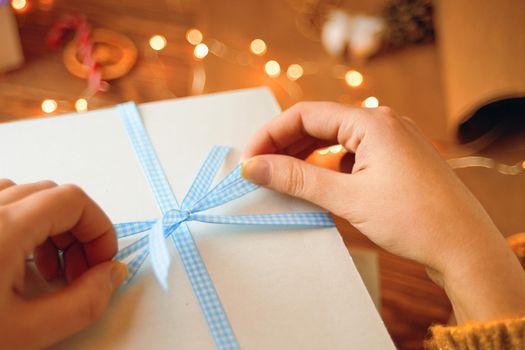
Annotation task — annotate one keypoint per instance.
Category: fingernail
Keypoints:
(119, 273)
(256, 171)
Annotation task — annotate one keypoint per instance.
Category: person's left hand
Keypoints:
(43, 219)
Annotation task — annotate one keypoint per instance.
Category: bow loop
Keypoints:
(228, 189)
(202, 182)
(172, 223)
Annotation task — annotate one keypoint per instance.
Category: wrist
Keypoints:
(486, 284)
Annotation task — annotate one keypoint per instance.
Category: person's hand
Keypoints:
(401, 194)
(41, 219)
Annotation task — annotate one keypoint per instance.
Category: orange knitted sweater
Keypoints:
(506, 334)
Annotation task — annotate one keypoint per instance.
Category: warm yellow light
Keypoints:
(19, 5)
(201, 51)
(194, 36)
(332, 149)
(49, 106)
(258, 47)
(370, 102)
(295, 71)
(272, 68)
(157, 42)
(335, 149)
(353, 78)
(81, 105)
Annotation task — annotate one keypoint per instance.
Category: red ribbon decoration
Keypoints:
(80, 26)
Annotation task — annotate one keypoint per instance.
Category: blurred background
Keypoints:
(458, 70)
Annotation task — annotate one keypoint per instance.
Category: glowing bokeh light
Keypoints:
(295, 71)
(49, 106)
(19, 5)
(353, 78)
(81, 105)
(200, 51)
(194, 36)
(157, 42)
(370, 102)
(272, 68)
(258, 47)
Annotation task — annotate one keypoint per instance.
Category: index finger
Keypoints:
(62, 209)
(322, 120)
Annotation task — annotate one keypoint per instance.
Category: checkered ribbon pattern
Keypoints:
(154, 235)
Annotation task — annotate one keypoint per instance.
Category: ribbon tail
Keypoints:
(130, 249)
(160, 256)
(135, 264)
(297, 219)
(132, 228)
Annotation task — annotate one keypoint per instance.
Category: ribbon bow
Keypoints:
(198, 199)
(172, 224)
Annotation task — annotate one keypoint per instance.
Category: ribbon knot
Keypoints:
(175, 217)
(172, 224)
(200, 197)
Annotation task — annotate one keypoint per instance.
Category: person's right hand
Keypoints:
(401, 194)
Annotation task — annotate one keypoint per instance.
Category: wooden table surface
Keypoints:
(408, 80)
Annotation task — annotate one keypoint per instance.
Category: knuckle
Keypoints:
(384, 119)
(301, 106)
(386, 111)
(48, 183)
(391, 123)
(72, 190)
(329, 105)
(296, 181)
(408, 120)
(6, 183)
(305, 105)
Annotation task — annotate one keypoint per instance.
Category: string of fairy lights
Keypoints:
(273, 69)
(257, 47)
(201, 49)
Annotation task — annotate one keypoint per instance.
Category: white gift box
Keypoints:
(281, 288)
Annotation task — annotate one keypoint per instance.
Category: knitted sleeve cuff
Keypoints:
(503, 334)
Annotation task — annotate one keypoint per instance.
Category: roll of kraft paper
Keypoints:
(10, 51)
(482, 53)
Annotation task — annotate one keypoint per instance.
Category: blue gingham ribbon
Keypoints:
(172, 223)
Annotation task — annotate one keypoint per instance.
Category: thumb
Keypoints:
(56, 316)
(299, 179)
